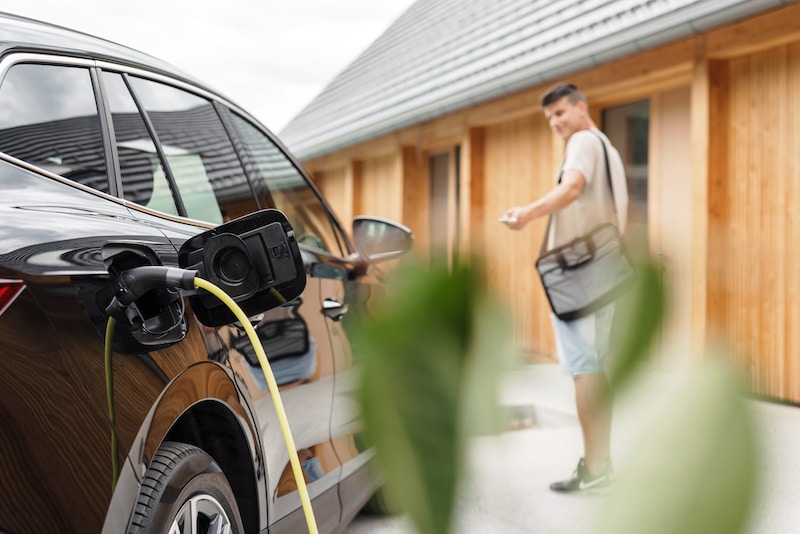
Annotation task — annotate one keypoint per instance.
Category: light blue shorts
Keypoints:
(582, 344)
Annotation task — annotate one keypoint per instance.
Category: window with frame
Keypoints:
(141, 172)
(627, 127)
(280, 185)
(195, 152)
(49, 118)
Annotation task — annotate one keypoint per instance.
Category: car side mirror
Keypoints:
(255, 259)
(378, 239)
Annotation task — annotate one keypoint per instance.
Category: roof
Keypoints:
(444, 55)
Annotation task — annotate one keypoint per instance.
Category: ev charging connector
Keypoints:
(145, 296)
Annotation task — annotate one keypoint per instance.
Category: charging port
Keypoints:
(154, 316)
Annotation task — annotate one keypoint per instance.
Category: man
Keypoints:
(580, 202)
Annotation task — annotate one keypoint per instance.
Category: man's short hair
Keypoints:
(561, 90)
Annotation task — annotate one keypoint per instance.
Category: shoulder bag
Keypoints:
(587, 273)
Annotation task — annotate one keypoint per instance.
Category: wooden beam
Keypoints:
(354, 178)
(700, 131)
(473, 184)
(769, 30)
(416, 195)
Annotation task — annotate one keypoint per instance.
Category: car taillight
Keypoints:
(9, 290)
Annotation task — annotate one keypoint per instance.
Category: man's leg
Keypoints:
(582, 347)
(594, 404)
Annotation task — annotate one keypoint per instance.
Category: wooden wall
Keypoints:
(381, 191)
(754, 229)
(671, 220)
(519, 155)
(724, 190)
(413, 170)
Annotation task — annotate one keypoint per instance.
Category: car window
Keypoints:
(143, 178)
(280, 185)
(48, 117)
(198, 151)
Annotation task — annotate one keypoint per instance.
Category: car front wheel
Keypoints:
(184, 490)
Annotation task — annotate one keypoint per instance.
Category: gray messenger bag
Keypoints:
(587, 273)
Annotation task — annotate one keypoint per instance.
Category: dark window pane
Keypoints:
(439, 224)
(628, 127)
(198, 150)
(143, 178)
(48, 117)
(280, 185)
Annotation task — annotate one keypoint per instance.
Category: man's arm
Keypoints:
(572, 183)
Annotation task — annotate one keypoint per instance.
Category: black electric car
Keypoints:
(111, 160)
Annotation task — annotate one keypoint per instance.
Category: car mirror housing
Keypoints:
(377, 239)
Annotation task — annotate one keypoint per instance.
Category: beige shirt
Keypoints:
(593, 206)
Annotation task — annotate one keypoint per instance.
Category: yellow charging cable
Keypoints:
(112, 418)
(294, 460)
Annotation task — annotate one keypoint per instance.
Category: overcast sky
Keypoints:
(270, 56)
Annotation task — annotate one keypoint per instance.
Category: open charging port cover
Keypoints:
(254, 259)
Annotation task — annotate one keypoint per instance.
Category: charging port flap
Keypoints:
(254, 259)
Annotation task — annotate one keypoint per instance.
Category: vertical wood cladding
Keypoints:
(754, 195)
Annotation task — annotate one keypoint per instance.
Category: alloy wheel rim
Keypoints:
(202, 514)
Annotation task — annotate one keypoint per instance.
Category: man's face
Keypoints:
(566, 118)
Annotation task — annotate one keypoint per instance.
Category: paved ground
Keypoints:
(507, 490)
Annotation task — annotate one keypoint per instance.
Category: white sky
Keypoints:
(272, 57)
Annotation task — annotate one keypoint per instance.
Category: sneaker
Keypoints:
(582, 480)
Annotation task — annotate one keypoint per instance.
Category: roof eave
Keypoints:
(650, 35)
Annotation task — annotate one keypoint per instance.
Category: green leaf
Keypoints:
(490, 355)
(694, 470)
(637, 318)
(421, 353)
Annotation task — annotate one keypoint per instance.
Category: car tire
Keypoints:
(204, 496)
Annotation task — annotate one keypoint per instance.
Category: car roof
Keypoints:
(22, 34)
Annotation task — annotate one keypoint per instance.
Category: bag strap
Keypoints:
(608, 172)
(543, 248)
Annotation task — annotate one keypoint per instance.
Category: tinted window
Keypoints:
(198, 151)
(143, 177)
(48, 117)
(280, 185)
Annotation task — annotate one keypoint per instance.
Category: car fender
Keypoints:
(201, 389)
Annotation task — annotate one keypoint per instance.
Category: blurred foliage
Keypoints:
(637, 319)
(433, 358)
(694, 469)
(433, 355)
(693, 472)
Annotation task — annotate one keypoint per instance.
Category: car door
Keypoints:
(177, 157)
(345, 285)
(330, 277)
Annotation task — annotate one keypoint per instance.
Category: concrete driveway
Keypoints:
(507, 487)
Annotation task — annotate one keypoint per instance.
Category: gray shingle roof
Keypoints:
(444, 55)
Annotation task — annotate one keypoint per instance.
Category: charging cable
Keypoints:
(294, 460)
(155, 276)
(112, 418)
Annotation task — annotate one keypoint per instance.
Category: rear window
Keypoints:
(197, 172)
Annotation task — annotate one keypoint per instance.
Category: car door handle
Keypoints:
(334, 309)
